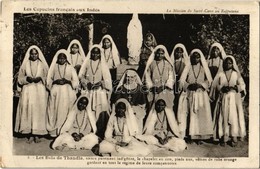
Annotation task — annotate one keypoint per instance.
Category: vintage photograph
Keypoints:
(131, 84)
(170, 85)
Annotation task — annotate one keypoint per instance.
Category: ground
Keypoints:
(21, 147)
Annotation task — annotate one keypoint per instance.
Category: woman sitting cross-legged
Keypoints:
(161, 129)
(78, 130)
(121, 131)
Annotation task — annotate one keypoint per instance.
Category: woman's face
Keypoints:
(130, 79)
(82, 103)
(95, 54)
(34, 55)
(159, 54)
(149, 41)
(74, 48)
(215, 52)
(120, 109)
(178, 53)
(106, 43)
(62, 59)
(195, 58)
(228, 64)
(160, 105)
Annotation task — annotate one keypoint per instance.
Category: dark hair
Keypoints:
(120, 105)
(85, 98)
(75, 44)
(33, 49)
(160, 100)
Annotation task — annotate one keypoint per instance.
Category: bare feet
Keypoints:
(223, 144)
(37, 139)
(30, 140)
(234, 144)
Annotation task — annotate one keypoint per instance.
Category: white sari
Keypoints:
(31, 110)
(85, 125)
(229, 114)
(113, 135)
(61, 97)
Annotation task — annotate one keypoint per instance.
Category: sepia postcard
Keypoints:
(129, 84)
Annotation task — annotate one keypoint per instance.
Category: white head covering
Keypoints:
(134, 38)
(188, 66)
(221, 49)
(130, 117)
(105, 70)
(114, 50)
(54, 62)
(132, 71)
(235, 66)
(215, 81)
(185, 53)
(68, 124)
(151, 58)
(26, 59)
(152, 118)
(81, 51)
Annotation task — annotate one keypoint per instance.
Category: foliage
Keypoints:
(48, 31)
(232, 31)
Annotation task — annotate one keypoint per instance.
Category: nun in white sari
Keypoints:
(62, 81)
(76, 54)
(96, 82)
(159, 76)
(121, 131)
(161, 129)
(215, 62)
(215, 59)
(111, 55)
(228, 114)
(194, 101)
(180, 58)
(31, 110)
(78, 131)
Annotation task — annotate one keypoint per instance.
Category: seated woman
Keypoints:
(76, 54)
(78, 130)
(161, 128)
(228, 114)
(129, 88)
(121, 130)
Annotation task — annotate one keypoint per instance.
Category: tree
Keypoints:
(232, 31)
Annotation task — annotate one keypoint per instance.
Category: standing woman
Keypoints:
(159, 76)
(194, 100)
(111, 55)
(215, 63)
(31, 111)
(62, 81)
(96, 82)
(76, 54)
(148, 45)
(179, 58)
(229, 115)
(215, 58)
